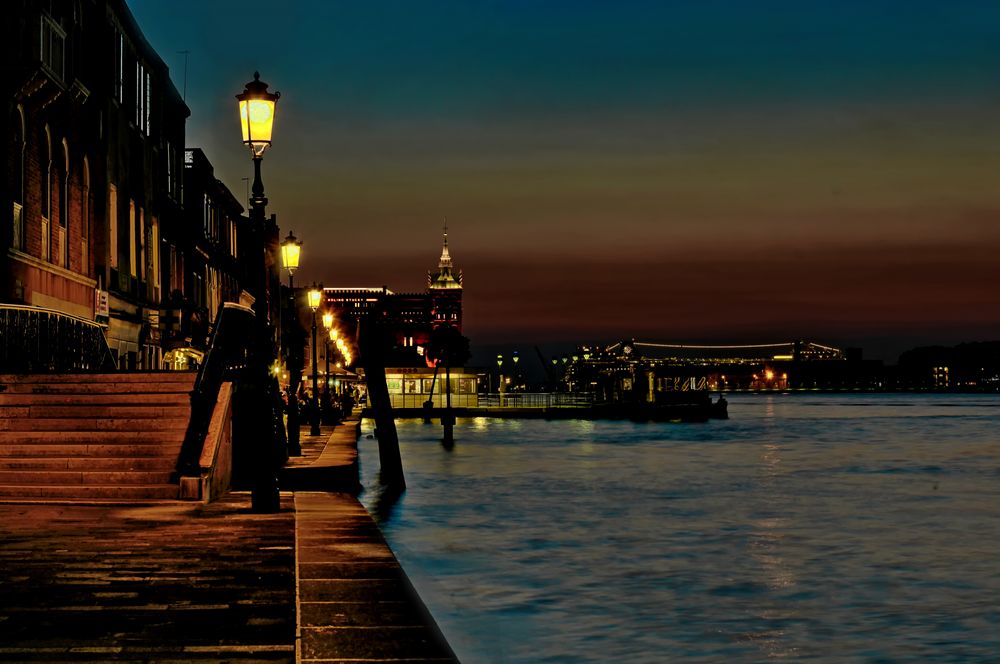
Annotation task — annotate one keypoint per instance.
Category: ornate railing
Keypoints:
(36, 340)
(226, 354)
(536, 400)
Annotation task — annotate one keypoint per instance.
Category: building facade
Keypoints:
(93, 162)
(106, 217)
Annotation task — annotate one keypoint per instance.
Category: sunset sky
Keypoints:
(677, 171)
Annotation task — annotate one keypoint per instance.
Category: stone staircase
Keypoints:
(100, 437)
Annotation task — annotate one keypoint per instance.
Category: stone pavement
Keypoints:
(187, 582)
(169, 582)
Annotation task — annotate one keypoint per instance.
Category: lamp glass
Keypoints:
(315, 295)
(290, 253)
(328, 320)
(257, 122)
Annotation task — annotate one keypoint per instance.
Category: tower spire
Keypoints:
(444, 278)
(445, 261)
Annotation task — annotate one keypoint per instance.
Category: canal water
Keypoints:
(807, 527)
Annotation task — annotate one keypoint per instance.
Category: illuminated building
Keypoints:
(410, 317)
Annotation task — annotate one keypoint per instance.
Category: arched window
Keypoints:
(86, 214)
(47, 196)
(64, 208)
(18, 149)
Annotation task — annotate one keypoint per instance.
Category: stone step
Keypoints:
(89, 411)
(96, 477)
(75, 425)
(146, 437)
(149, 387)
(87, 378)
(10, 399)
(89, 463)
(114, 450)
(90, 491)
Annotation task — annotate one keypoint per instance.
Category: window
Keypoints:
(47, 197)
(143, 94)
(118, 84)
(141, 236)
(86, 210)
(53, 46)
(19, 145)
(113, 225)
(132, 221)
(64, 209)
(154, 257)
(171, 170)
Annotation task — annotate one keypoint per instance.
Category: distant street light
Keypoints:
(315, 296)
(328, 325)
(500, 377)
(291, 254)
(256, 107)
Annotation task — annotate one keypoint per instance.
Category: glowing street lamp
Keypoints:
(291, 252)
(257, 115)
(256, 107)
(315, 297)
(328, 324)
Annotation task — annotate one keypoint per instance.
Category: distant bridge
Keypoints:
(787, 350)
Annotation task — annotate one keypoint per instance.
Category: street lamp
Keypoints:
(315, 296)
(327, 324)
(516, 380)
(500, 378)
(256, 106)
(291, 254)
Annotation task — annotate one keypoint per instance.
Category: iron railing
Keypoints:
(537, 400)
(37, 340)
(226, 354)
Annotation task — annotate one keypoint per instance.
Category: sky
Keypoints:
(714, 171)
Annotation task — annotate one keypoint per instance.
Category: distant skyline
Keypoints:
(680, 171)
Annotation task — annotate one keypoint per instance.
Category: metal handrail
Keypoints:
(37, 339)
(226, 352)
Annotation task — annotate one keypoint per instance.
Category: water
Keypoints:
(828, 527)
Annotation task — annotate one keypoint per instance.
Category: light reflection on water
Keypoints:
(830, 527)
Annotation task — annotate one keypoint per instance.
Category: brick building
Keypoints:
(108, 218)
(93, 163)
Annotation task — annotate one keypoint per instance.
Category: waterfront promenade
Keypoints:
(176, 581)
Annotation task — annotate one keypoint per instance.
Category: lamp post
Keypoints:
(315, 295)
(516, 380)
(500, 379)
(291, 253)
(256, 107)
(327, 324)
